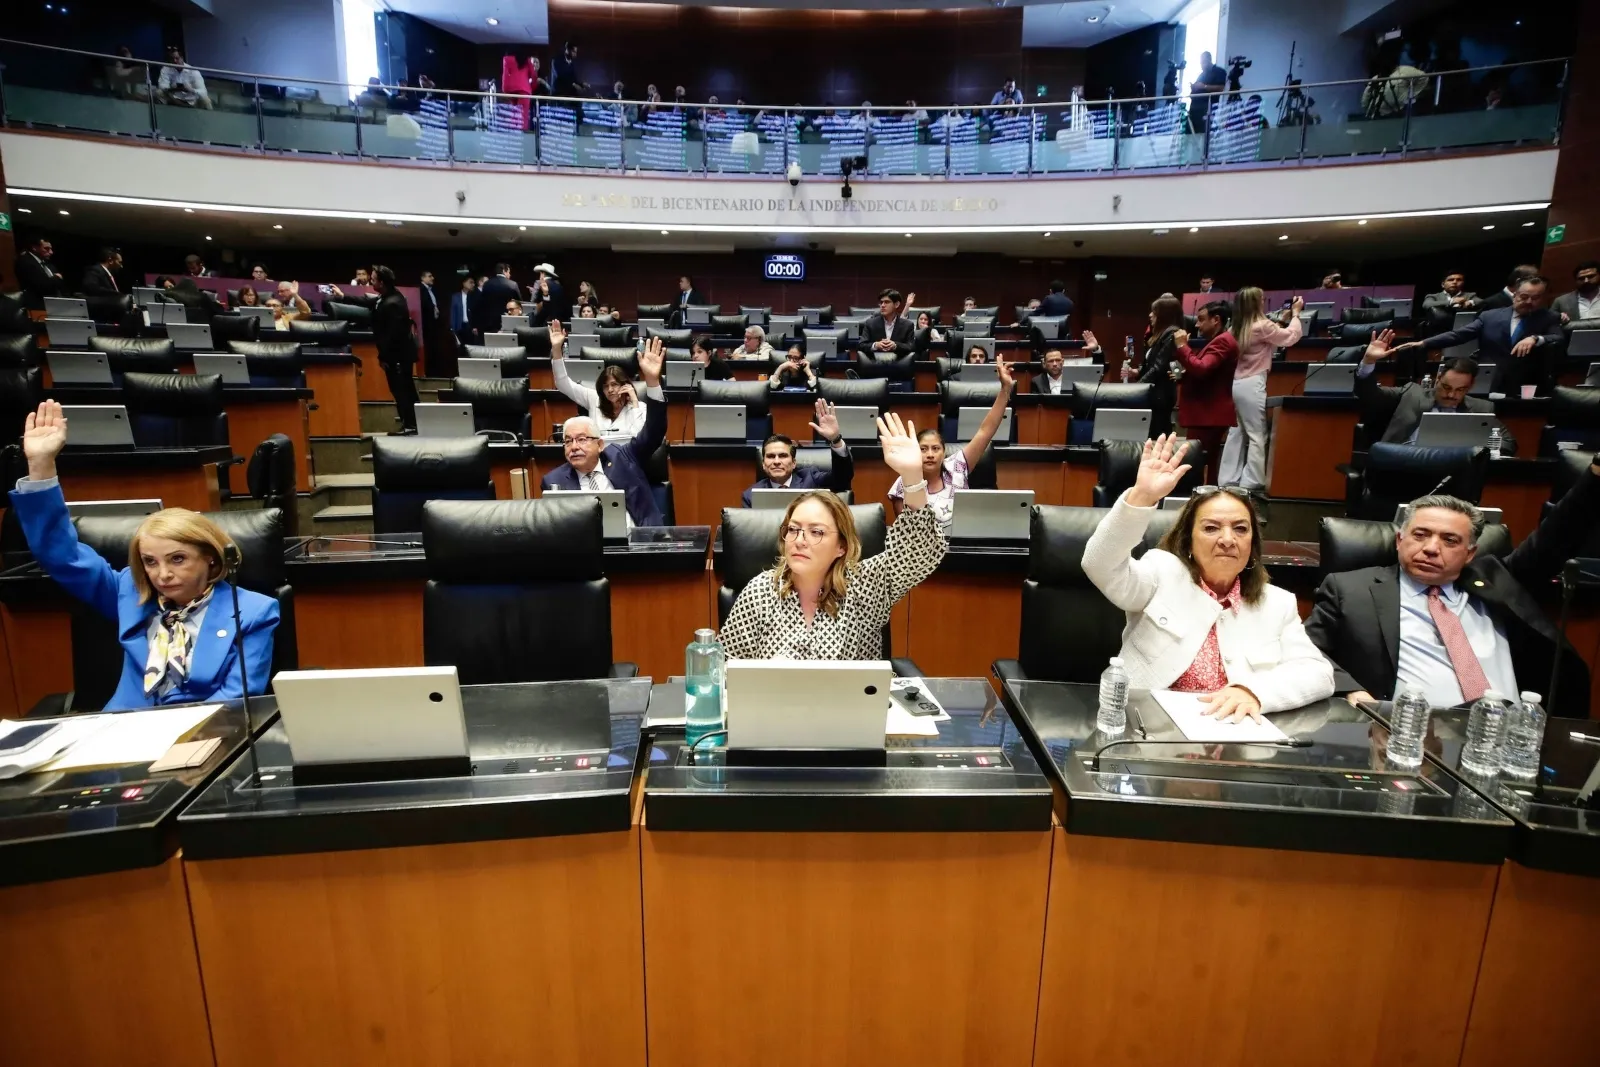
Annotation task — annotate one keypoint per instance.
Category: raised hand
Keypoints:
(650, 361)
(44, 435)
(1379, 347)
(1161, 468)
(827, 424)
(1297, 305)
(911, 300)
(1002, 370)
(1090, 342)
(900, 450)
(1180, 338)
(558, 339)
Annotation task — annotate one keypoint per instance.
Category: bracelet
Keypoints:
(914, 487)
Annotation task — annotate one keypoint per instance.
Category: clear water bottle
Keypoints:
(1486, 731)
(1520, 755)
(703, 673)
(1495, 440)
(1127, 361)
(1408, 727)
(1113, 717)
(1427, 381)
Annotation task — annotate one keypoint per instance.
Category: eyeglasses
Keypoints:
(809, 534)
(1212, 490)
(583, 440)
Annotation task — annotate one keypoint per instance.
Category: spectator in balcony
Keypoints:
(519, 82)
(126, 75)
(1008, 94)
(36, 275)
(1584, 301)
(258, 273)
(564, 73)
(181, 84)
(917, 114)
(1394, 95)
(374, 95)
(652, 103)
(1203, 91)
(1333, 280)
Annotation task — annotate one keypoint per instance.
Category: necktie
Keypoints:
(113, 278)
(1516, 328)
(1469, 672)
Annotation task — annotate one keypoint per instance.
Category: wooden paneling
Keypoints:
(498, 952)
(961, 623)
(370, 381)
(250, 424)
(1041, 425)
(194, 487)
(1572, 200)
(335, 409)
(1047, 480)
(849, 949)
(102, 969)
(1521, 502)
(1303, 452)
(366, 624)
(1535, 1003)
(653, 616)
(1161, 953)
(1081, 478)
(701, 488)
(39, 642)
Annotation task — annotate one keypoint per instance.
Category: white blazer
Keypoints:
(1264, 646)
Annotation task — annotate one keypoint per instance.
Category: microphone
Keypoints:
(1292, 742)
(1442, 483)
(232, 559)
(1571, 572)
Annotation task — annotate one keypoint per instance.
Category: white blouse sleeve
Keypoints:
(582, 395)
(1108, 557)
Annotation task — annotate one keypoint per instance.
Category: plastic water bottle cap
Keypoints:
(1116, 661)
(1530, 698)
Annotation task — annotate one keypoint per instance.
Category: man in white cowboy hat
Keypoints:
(549, 297)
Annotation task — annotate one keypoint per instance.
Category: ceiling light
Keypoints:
(188, 211)
(64, 211)
(29, 211)
(277, 225)
(1490, 226)
(1047, 233)
(372, 220)
(1525, 225)
(1361, 222)
(665, 233)
(208, 237)
(1159, 233)
(522, 227)
(1194, 229)
(492, 21)
(1283, 237)
(908, 235)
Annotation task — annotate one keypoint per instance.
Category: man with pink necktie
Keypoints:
(1453, 621)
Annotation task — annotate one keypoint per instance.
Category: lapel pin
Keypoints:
(222, 633)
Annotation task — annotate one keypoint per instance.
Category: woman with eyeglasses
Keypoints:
(1202, 615)
(821, 600)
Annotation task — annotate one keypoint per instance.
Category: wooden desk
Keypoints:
(967, 615)
(251, 423)
(371, 384)
(336, 407)
(180, 477)
(1310, 436)
(1041, 420)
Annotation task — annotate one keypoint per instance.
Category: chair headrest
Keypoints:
(615, 336)
(234, 328)
(275, 365)
(622, 357)
(321, 332)
(258, 532)
(172, 394)
(535, 340)
(1571, 465)
(556, 538)
(855, 392)
(149, 347)
(1385, 457)
(412, 463)
(1087, 399)
(1368, 314)
(358, 314)
(1351, 544)
(264, 348)
(728, 324)
(493, 352)
(1057, 539)
(753, 395)
(653, 311)
(1119, 461)
(1360, 332)
(676, 338)
(20, 349)
(1572, 406)
(931, 309)
(954, 395)
(21, 389)
(505, 396)
(750, 539)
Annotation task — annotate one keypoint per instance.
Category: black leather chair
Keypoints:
(898, 371)
(855, 392)
(615, 336)
(357, 315)
(1087, 399)
(626, 358)
(225, 328)
(1367, 315)
(146, 355)
(673, 338)
(514, 362)
(728, 325)
(20, 350)
(932, 310)
(758, 315)
(276, 370)
(1119, 469)
(826, 313)
(14, 315)
(1345, 354)
(654, 311)
(407, 472)
(1359, 333)
(535, 340)
(947, 367)
(500, 406)
(320, 333)
(175, 410)
(264, 348)
(1574, 416)
(118, 309)
(21, 393)
(658, 472)
(1396, 474)
(270, 478)
(1351, 544)
(517, 590)
(753, 395)
(750, 545)
(953, 396)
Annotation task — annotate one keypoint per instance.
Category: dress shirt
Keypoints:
(1053, 385)
(1589, 306)
(1423, 659)
(115, 288)
(596, 479)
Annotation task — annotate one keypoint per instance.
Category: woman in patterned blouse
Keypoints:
(822, 600)
(1202, 616)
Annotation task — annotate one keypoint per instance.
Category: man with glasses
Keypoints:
(1395, 412)
(778, 460)
(594, 464)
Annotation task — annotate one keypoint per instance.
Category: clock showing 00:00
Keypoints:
(784, 268)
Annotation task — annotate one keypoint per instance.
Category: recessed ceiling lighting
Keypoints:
(665, 233)
(522, 227)
(1283, 237)
(908, 235)
(188, 211)
(64, 211)
(1194, 229)
(29, 211)
(372, 220)
(277, 225)
(1361, 222)
(1525, 225)
(1159, 233)
(1047, 233)
(492, 21)
(208, 237)
(1490, 226)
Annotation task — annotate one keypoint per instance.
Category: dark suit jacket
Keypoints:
(557, 307)
(37, 280)
(904, 331)
(97, 280)
(1492, 331)
(430, 306)
(1054, 304)
(1498, 299)
(837, 478)
(492, 303)
(678, 300)
(624, 466)
(1037, 385)
(198, 305)
(1398, 409)
(391, 330)
(1356, 620)
(461, 318)
(1567, 304)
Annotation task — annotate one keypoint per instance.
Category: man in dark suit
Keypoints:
(100, 279)
(1584, 300)
(1055, 302)
(593, 464)
(1503, 298)
(492, 300)
(1394, 413)
(549, 296)
(1523, 341)
(35, 274)
(1050, 383)
(1452, 622)
(462, 308)
(687, 294)
(396, 344)
(888, 334)
(777, 460)
(198, 304)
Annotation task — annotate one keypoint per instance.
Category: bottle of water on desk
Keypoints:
(1525, 722)
(1112, 719)
(703, 672)
(1408, 727)
(1486, 731)
(1496, 438)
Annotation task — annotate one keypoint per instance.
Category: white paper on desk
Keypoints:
(1185, 711)
(69, 732)
(901, 723)
(133, 737)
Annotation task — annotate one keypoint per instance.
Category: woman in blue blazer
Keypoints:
(174, 611)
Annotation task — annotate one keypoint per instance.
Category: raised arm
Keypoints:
(1539, 557)
(582, 395)
(915, 544)
(1284, 336)
(991, 422)
(654, 432)
(1108, 557)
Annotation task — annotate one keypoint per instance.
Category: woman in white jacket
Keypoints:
(1202, 616)
(612, 403)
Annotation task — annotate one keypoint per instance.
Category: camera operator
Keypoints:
(1203, 91)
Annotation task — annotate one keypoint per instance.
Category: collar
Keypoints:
(1231, 599)
(1451, 594)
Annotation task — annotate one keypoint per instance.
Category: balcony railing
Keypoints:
(1517, 105)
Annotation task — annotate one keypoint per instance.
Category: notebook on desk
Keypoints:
(233, 369)
(98, 426)
(79, 368)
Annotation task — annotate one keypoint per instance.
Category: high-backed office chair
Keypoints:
(1572, 464)
(750, 545)
(1574, 416)
(780, 357)
(615, 336)
(1359, 333)
(175, 410)
(728, 325)
(855, 392)
(653, 311)
(753, 395)
(270, 478)
(819, 459)
(148, 355)
(357, 315)
(269, 370)
(932, 310)
(225, 328)
(14, 315)
(1396, 474)
(21, 393)
(514, 362)
(535, 340)
(673, 338)
(264, 348)
(626, 358)
(1351, 544)
(824, 313)
(953, 396)
(982, 474)
(864, 313)
(1088, 399)
(898, 371)
(500, 406)
(20, 350)
(1119, 469)
(947, 368)
(118, 309)
(517, 590)
(320, 333)
(407, 472)
(1367, 315)
(757, 315)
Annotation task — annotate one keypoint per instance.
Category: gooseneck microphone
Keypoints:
(1292, 742)
(231, 561)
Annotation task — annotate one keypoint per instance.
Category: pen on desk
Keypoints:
(1588, 739)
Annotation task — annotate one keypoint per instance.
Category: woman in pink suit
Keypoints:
(521, 82)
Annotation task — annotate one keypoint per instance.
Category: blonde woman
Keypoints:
(1244, 455)
(171, 604)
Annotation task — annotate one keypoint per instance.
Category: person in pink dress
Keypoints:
(520, 82)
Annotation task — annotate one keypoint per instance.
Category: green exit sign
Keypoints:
(5, 222)
(1555, 234)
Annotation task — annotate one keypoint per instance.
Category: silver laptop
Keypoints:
(371, 714)
(1585, 342)
(585, 370)
(1121, 424)
(781, 326)
(1049, 326)
(646, 325)
(969, 419)
(1454, 429)
(811, 316)
(699, 314)
(719, 422)
(584, 328)
(512, 323)
(1323, 379)
(69, 333)
(1483, 382)
(850, 326)
(1462, 318)
(191, 336)
(826, 347)
(260, 314)
(143, 295)
(233, 369)
(161, 314)
(79, 368)
(113, 509)
(613, 510)
(66, 307)
(501, 340)
(991, 514)
(858, 423)
(98, 426)
(1322, 308)
(682, 373)
(975, 326)
(445, 420)
(1593, 377)
(1083, 373)
(483, 370)
(786, 704)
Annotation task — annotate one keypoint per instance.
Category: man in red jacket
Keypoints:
(1205, 389)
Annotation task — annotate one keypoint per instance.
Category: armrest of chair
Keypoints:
(1354, 480)
(905, 668)
(1008, 670)
(51, 705)
(624, 670)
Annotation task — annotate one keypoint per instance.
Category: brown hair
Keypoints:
(1168, 312)
(182, 525)
(609, 373)
(836, 581)
(1180, 542)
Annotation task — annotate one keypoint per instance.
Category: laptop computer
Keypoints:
(161, 314)
(646, 325)
(79, 368)
(1584, 342)
(782, 326)
(858, 423)
(682, 373)
(512, 323)
(1049, 326)
(1083, 373)
(1454, 429)
(113, 509)
(976, 326)
(969, 419)
(584, 328)
(699, 314)
(811, 316)
(1325, 379)
(69, 333)
(978, 372)
(190, 336)
(784, 704)
(1483, 382)
(478, 369)
(991, 514)
(1323, 308)
(372, 714)
(585, 370)
(65, 307)
(233, 369)
(143, 295)
(445, 420)
(98, 426)
(260, 314)
(850, 326)
(719, 422)
(1121, 424)
(1462, 318)
(501, 340)
(613, 510)
(826, 347)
